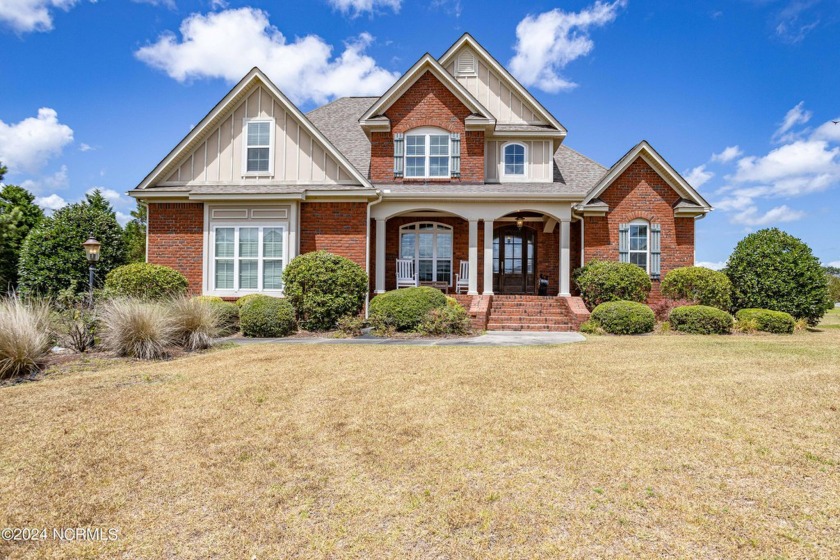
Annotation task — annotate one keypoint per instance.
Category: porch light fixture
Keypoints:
(520, 221)
(92, 247)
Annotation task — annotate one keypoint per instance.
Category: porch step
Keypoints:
(529, 313)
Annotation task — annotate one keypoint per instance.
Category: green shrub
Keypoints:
(450, 319)
(145, 281)
(766, 320)
(624, 317)
(245, 299)
(404, 310)
(52, 258)
(770, 269)
(228, 313)
(602, 281)
(833, 288)
(701, 285)
(350, 325)
(322, 287)
(24, 336)
(701, 319)
(267, 317)
(137, 329)
(591, 327)
(196, 322)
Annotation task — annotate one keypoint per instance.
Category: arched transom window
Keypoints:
(430, 245)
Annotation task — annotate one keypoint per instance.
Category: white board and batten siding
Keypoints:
(492, 91)
(539, 156)
(298, 157)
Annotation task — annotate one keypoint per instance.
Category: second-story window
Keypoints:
(514, 160)
(258, 147)
(427, 153)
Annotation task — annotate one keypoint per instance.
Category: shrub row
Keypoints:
(701, 319)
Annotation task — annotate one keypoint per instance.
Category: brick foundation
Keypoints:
(176, 239)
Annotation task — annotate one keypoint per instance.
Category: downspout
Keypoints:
(367, 249)
(582, 260)
(146, 206)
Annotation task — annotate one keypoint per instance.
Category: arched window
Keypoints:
(430, 245)
(427, 153)
(639, 243)
(513, 156)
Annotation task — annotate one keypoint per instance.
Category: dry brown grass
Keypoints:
(655, 446)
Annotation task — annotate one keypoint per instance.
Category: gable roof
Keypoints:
(220, 111)
(644, 150)
(339, 121)
(469, 40)
(427, 63)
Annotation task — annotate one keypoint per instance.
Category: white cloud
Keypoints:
(85, 147)
(123, 218)
(728, 154)
(165, 3)
(796, 116)
(752, 217)
(357, 7)
(56, 181)
(716, 265)
(547, 42)
(828, 131)
(834, 264)
(27, 145)
(52, 202)
(218, 4)
(802, 158)
(112, 196)
(229, 43)
(698, 176)
(31, 15)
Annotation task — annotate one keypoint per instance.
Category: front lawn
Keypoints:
(620, 447)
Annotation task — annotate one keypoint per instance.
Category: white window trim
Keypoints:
(513, 178)
(639, 222)
(236, 291)
(427, 131)
(414, 228)
(245, 122)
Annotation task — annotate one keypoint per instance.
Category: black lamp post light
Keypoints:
(92, 247)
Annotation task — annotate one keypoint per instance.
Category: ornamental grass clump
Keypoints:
(24, 336)
(137, 329)
(196, 323)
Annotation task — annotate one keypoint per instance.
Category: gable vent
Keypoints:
(466, 64)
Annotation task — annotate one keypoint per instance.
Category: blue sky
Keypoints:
(737, 95)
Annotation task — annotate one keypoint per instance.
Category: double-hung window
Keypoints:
(258, 146)
(638, 243)
(514, 160)
(430, 246)
(248, 258)
(427, 153)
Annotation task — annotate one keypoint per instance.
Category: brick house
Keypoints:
(455, 177)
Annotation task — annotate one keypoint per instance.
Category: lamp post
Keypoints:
(92, 251)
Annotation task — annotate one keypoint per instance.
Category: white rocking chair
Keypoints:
(406, 277)
(462, 279)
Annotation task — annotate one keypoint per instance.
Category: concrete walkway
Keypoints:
(491, 338)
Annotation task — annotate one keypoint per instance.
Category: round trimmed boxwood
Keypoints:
(323, 287)
(404, 309)
(699, 284)
(766, 320)
(771, 269)
(624, 317)
(245, 299)
(267, 317)
(602, 281)
(145, 281)
(701, 319)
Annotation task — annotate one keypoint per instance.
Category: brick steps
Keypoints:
(529, 313)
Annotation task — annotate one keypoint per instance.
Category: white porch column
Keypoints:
(565, 262)
(379, 283)
(488, 258)
(473, 255)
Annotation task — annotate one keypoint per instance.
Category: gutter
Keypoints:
(367, 250)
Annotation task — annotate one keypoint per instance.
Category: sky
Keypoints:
(737, 95)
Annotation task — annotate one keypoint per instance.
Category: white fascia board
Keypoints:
(245, 197)
(476, 197)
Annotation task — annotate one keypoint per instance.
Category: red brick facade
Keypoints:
(176, 238)
(337, 227)
(637, 193)
(428, 102)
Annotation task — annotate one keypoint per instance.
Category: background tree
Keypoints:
(18, 216)
(52, 259)
(771, 269)
(135, 235)
(833, 270)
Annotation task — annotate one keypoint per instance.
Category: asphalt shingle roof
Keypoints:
(339, 121)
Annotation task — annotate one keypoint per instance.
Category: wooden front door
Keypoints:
(514, 260)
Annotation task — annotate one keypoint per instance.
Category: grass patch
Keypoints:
(831, 320)
(679, 446)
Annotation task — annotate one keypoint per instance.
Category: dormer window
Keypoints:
(427, 153)
(258, 147)
(513, 156)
